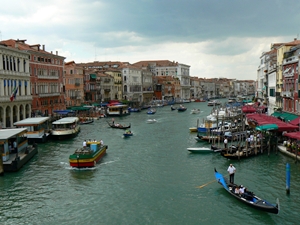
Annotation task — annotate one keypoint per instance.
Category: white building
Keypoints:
(14, 78)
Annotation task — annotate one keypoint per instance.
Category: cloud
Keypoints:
(216, 38)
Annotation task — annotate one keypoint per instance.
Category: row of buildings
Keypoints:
(43, 82)
(278, 77)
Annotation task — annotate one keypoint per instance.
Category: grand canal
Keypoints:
(149, 178)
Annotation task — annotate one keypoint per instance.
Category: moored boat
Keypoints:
(13, 158)
(247, 197)
(88, 156)
(38, 128)
(66, 127)
(200, 150)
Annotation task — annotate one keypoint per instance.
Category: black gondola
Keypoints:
(118, 126)
(248, 197)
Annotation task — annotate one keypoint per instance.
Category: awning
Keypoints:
(267, 127)
(285, 116)
(93, 76)
(295, 121)
(294, 135)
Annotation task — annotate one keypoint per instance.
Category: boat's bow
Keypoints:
(221, 180)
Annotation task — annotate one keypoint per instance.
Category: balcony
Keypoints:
(286, 94)
(18, 98)
(48, 77)
(77, 84)
(41, 95)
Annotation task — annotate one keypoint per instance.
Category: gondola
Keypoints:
(240, 153)
(118, 126)
(248, 197)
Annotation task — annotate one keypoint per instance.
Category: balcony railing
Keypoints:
(18, 98)
(49, 94)
(48, 77)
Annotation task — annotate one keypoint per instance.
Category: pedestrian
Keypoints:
(84, 144)
(231, 170)
(15, 145)
(225, 142)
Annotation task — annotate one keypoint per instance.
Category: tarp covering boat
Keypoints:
(266, 127)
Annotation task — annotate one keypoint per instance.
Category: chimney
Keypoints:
(295, 39)
(56, 52)
(43, 47)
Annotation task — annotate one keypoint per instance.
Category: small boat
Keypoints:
(151, 121)
(127, 133)
(193, 129)
(151, 111)
(88, 156)
(173, 108)
(214, 103)
(195, 111)
(200, 150)
(86, 121)
(181, 108)
(118, 126)
(134, 109)
(248, 197)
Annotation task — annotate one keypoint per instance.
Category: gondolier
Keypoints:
(231, 170)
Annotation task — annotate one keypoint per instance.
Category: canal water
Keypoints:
(149, 178)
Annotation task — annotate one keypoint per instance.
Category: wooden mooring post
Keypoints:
(1, 166)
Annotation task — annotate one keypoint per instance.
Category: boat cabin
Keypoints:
(65, 127)
(38, 128)
(7, 139)
(117, 110)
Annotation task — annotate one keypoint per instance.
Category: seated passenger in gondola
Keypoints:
(237, 190)
(242, 190)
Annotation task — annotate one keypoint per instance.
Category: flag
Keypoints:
(13, 94)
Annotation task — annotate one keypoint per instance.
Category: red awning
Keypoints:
(294, 135)
(295, 121)
(262, 119)
(248, 109)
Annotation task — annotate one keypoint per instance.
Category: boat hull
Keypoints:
(87, 160)
(250, 199)
(200, 150)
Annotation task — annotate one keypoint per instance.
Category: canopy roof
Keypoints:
(285, 116)
(294, 135)
(262, 119)
(267, 127)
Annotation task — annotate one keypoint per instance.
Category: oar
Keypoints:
(207, 183)
(202, 186)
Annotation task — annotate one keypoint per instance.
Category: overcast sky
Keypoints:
(217, 38)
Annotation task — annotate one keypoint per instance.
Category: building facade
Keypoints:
(15, 91)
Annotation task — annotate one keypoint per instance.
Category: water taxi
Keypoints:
(38, 128)
(117, 110)
(66, 127)
(88, 156)
(15, 149)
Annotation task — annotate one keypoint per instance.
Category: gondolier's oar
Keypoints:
(202, 186)
(207, 183)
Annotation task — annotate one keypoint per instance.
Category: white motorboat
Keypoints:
(200, 150)
(151, 121)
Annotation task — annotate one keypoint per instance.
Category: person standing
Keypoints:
(231, 170)
(225, 142)
(84, 144)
